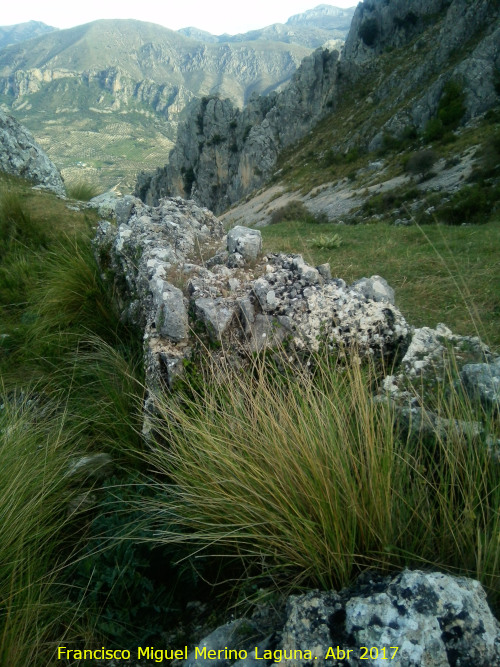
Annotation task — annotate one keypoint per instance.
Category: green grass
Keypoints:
(344, 492)
(82, 190)
(36, 450)
(71, 386)
(439, 273)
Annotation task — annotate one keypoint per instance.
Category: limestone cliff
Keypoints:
(223, 153)
(404, 52)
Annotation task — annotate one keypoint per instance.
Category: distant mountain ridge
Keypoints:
(20, 32)
(108, 95)
(397, 62)
(311, 28)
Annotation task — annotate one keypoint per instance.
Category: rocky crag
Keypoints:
(311, 28)
(223, 154)
(20, 155)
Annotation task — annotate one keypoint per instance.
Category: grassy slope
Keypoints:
(440, 273)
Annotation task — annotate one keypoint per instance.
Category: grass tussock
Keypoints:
(306, 477)
(82, 190)
(70, 388)
(36, 451)
(17, 226)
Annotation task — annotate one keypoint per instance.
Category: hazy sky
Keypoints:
(217, 16)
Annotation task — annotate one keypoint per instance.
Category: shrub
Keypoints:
(133, 586)
(450, 111)
(82, 191)
(421, 163)
(295, 210)
(434, 130)
(368, 31)
(452, 104)
(469, 205)
(216, 140)
(189, 177)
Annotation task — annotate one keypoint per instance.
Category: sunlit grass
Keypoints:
(305, 476)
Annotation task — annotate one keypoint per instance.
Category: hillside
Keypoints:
(279, 444)
(407, 74)
(105, 98)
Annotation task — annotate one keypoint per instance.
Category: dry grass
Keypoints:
(303, 475)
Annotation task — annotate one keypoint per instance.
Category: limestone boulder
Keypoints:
(21, 156)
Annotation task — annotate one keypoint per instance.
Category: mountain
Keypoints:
(325, 17)
(104, 99)
(20, 32)
(407, 68)
(311, 28)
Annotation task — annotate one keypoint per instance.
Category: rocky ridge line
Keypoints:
(222, 155)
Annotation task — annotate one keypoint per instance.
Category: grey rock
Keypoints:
(375, 288)
(482, 381)
(247, 242)
(155, 261)
(123, 208)
(143, 258)
(105, 203)
(238, 635)
(171, 318)
(421, 422)
(434, 620)
(324, 271)
(21, 156)
(437, 620)
(216, 314)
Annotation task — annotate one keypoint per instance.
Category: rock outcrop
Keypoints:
(419, 619)
(21, 156)
(223, 154)
(179, 277)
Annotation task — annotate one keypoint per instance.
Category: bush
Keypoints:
(450, 111)
(189, 177)
(469, 205)
(452, 105)
(421, 163)
(133, 586)
(82, 191)
(296, 211)
(368, 31)
(434, 130)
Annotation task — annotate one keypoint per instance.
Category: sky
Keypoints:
(217, 16)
